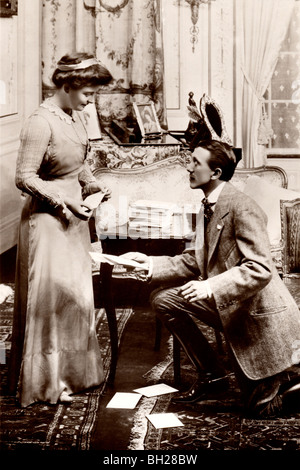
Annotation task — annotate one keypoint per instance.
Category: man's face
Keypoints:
(198, 168)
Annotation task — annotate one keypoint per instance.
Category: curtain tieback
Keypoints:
(260, 98)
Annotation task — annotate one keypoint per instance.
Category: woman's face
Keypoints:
(78, 99)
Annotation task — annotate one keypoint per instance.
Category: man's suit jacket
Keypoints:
(260, 318)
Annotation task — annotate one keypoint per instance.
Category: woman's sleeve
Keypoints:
(87, 179)
(35, 137)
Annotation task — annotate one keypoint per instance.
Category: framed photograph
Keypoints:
(147, 119)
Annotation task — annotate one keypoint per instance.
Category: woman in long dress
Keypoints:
(55, 351)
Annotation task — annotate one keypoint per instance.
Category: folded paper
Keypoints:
(164, 420)
(94, 199)
(155, 390)
(114, 260)
(124, 400)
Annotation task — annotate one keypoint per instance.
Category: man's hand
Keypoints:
(193, 291)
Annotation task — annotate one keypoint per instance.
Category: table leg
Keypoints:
(108, 304)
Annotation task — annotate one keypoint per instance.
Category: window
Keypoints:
(283, 95)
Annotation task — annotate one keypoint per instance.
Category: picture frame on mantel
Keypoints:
(147, 119)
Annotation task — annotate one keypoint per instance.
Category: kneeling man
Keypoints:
(229, 282)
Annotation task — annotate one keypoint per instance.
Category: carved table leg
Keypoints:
(108, 303)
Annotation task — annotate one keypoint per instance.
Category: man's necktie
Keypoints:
(203, 218)
(208, 212)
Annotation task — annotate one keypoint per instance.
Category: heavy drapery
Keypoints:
(125, 35)
(264, 26)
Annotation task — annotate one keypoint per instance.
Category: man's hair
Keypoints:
(221, 156)
(95, 75)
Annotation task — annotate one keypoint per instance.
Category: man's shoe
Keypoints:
(277, 401)
(291, 395)
(290, 386)
(268, 410)
(265, 401)
(203, 389)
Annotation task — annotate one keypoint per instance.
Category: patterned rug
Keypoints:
(52, 427)
(212, 424)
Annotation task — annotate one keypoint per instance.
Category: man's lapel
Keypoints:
(199, 242)
(216, 223)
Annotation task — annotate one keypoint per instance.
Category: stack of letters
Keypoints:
(151, 219)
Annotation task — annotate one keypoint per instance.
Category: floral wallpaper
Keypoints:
(125, 35)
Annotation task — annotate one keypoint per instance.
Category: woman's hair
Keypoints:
(221, 156)
(93, 75)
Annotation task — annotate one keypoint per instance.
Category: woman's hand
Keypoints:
(79, 208)
(107, 193)
(66, 214)
(97, 186)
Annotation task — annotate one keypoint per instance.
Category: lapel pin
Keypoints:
(219, 227)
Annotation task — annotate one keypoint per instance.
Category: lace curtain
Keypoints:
(125, 35)
(264, 26)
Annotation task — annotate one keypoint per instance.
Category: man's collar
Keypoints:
(214, 195)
